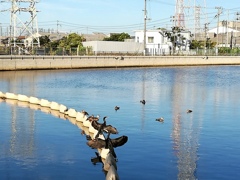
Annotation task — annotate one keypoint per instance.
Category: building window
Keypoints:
(150, 39)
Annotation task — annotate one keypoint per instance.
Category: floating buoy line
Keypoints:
(94, 131)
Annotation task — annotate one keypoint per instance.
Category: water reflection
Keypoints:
(22, 140)
(186, 129)
(211, 92)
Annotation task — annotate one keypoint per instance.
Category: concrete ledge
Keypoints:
(75, 62)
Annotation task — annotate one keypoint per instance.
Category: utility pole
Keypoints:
(237, 20)
(145, 27)
(218, 14)
(0, 29)
(227, 28)
(224, 24)
(206, 38)
(58, 29)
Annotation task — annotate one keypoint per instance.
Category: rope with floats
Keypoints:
(95, 132)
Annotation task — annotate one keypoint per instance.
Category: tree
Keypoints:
(201, 44)
(54, 44)
(71, 41)
(195, 44)
(117, 37)
(173, 35)
(44, 41)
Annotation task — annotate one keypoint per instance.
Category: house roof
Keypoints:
(96, 36)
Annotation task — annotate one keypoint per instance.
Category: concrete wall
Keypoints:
(66, 62)
(114, 46)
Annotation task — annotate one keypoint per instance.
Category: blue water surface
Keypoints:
(203, 144)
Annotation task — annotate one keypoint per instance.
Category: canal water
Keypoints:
(203, 144)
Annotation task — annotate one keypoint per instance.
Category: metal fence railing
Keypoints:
(76, 52)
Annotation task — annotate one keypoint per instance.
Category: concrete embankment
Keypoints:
(75, 62)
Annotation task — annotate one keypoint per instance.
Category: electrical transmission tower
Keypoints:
(200, 19)
(23, 25)
(179, 14)
(191, 15)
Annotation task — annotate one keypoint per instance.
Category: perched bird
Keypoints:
(109, 128)
(143, 101)
(189, 111)
(93, 118)
(109, 146)
(103, 127)
(99, 143)
(119, 58)
(117, 108)
(98, 126)
(161, 119)
(85, 113)
(116, 142)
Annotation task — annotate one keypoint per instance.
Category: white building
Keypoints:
(222, 29)
(183, 41)
(156, 42)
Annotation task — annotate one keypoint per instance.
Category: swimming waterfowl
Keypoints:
(161, 119)
(143, 101)
(117, 108)
(189, 111)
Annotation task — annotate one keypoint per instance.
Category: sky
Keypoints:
(106, 16)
